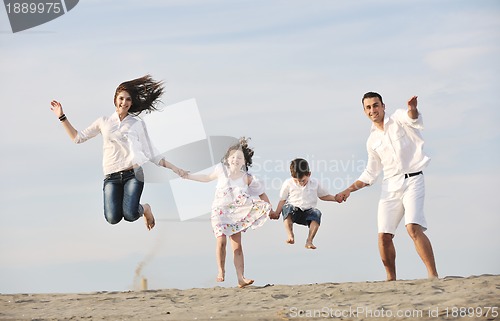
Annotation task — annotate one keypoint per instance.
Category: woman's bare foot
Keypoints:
(148, 216)
(310, 246)
(245, 282)
(220, 276)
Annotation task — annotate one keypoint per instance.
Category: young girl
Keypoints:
(124, 148)
(233, 209)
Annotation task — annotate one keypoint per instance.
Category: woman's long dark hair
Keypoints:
(145, 93)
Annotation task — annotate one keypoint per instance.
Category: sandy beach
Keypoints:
(449, 298)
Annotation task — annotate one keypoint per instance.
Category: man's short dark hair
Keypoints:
(371, 94)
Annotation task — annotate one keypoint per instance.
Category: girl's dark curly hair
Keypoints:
(243, 146)
(145, 93)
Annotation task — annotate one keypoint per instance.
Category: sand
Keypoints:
(449, 298)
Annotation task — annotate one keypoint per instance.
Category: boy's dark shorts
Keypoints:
(301, 217)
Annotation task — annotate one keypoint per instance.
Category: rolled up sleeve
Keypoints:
(372, 170)
(93, 130)
(401, 115)
(142, 147)
(284, 191)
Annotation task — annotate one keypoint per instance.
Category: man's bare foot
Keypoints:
(290, 240)
(245, 282)
(220, 277)
(148, 216)
(310, 246)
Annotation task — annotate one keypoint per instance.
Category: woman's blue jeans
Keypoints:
(122, 193)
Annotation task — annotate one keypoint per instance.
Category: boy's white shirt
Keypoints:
(304, 197)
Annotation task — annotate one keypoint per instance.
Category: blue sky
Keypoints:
(289, 74)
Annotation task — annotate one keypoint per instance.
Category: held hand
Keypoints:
(182, 173)
(56, 108)
(343, 196)
(412, 103)
(273, 215)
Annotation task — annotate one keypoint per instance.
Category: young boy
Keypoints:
(298, 198)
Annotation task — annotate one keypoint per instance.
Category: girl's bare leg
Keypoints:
(220, 254)
(239, 260)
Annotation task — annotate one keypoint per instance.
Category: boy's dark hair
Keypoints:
(371, 94)
(299, 168)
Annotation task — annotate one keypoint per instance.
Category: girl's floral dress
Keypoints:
(234, 209)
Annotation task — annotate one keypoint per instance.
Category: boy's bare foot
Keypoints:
(220, 277)
(148, 216)
(245, 282)
(290, 240)
(310, 246)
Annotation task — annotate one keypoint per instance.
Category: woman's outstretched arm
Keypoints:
(57, 109)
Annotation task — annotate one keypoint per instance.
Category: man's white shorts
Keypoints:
(407, 202)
